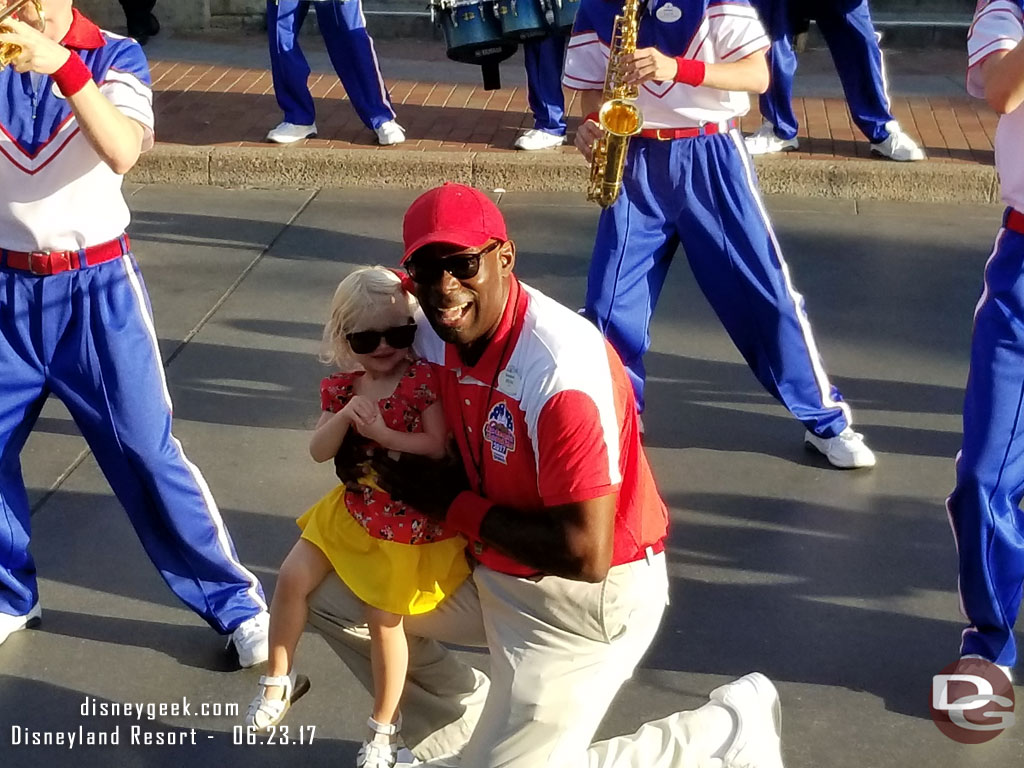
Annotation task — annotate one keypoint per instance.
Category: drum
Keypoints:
(525, 19)
(565, 14)
(472, 31)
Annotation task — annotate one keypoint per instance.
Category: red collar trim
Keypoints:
(83, 34)
(500, 343)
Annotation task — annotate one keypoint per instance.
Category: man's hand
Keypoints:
(351, 460)
(38, 52)
(588, 132)
(648, 64)
(428, 485)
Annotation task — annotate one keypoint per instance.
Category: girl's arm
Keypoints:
(329, 432)
(431, 442)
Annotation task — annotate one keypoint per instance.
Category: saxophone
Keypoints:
(619, 117)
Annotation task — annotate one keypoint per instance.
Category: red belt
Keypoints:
(1014, 221)
(44, 263)
(668, 134)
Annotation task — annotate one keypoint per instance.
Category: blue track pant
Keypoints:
(87, 336)
(350, 48)
(984, 509)
(545, 59)
(702, 193)
(851, 38)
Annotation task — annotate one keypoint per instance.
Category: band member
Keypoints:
(985, 506)
(75, 319)
(847, 28)
(544, 59)
(351, 50)
(688, 180)
(142, 22)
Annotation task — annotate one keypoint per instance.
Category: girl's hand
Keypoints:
(361, 411)
(375, 430)
(38, 52)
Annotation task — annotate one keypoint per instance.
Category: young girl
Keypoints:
(393, 558)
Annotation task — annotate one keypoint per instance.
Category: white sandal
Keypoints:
(264, 713)
(380, 754)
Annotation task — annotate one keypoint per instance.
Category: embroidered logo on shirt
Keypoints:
(668, 13)
(499, 431)
(56, 92)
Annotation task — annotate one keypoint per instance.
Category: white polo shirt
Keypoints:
(999, 26)
(57, 193)
(547, 417)
(712, 31)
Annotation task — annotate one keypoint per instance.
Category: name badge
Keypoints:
(510, 382)
(668, 13)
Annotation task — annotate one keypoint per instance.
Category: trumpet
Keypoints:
(9, 51)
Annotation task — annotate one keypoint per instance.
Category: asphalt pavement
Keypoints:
(838, 585)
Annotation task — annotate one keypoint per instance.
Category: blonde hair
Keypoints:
(361, 298)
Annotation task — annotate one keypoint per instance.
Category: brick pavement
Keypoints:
(208, 103)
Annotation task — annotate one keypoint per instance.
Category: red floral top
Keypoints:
(376, 511)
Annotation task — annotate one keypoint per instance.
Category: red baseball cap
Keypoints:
(452, 213)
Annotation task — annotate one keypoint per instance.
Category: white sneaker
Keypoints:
(846, 450)
(1002, 667)
(289, 133)
(754, 702)
(763, 141)
(9, 624)
(898, 145)
(534, 139)
(251, 641)
(390, 133)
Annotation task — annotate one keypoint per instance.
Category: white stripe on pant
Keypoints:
(559, 652)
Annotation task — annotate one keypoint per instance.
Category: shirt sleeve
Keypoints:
(586, 57)
(997, 26)
(573, 459)
(736, 31)
(128, 86)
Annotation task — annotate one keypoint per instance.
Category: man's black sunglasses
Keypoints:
(397, 337)
(461, 266)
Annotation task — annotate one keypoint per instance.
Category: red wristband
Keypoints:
(690, 71)
(592, 116)
(72, 75)
(467, 512)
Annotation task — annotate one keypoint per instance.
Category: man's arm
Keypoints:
(574, 541)
(1003, 75)
(116, 138)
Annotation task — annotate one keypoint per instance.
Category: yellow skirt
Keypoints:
(401, 578)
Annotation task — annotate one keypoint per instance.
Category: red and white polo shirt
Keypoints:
(547, 417)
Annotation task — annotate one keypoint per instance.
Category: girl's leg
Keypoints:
(389, 656)
(301, 572)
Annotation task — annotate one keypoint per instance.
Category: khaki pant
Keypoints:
(559, 652)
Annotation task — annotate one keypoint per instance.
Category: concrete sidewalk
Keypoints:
(214, 102)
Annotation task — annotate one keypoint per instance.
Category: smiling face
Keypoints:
(463, 310)
(385, 359)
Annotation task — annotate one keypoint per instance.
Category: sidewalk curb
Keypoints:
(933, 181)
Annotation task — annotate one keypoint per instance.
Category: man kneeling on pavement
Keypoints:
(565, 525)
